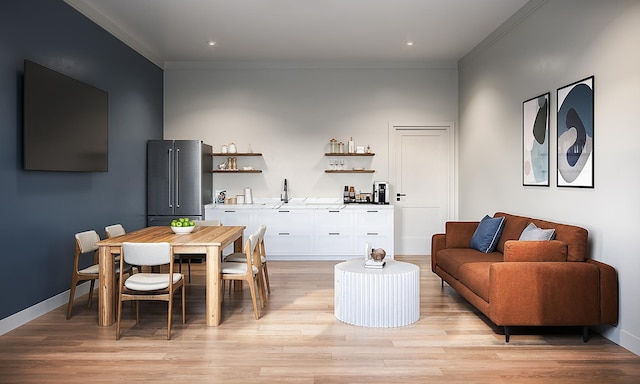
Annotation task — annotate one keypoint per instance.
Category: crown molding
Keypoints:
(116, 30)
(523, 13)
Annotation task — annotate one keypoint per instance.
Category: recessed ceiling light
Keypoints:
(410, 43)
(211, 43)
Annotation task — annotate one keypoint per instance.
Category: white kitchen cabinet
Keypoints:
(289, 231)
(375, 226)
(308, 232)
(334, 233)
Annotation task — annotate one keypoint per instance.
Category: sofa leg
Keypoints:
(506, 333)
(585, 333)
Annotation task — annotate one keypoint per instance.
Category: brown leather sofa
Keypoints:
(528, 283)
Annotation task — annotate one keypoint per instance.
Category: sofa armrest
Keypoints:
(437, 244)
(552, 250)
(459, 233)
(608, 292)
(544, 293)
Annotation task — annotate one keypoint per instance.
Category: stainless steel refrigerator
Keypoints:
(179, 180)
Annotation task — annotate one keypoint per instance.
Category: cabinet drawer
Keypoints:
(294, 221)
(286, 243)
(334, 220)
(374, 219)
(334, 244)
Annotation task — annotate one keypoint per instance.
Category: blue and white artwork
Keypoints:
(575, 134)
(535, 141)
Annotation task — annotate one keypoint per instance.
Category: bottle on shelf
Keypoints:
(351, 145)
(284, 196)
(352, 194)
(345, 195)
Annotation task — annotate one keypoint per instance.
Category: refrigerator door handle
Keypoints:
(169, 181)
(177, 177)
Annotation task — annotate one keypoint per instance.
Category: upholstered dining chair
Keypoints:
(248, 271)
(114, 230)
(86, 246)
(264, 272)
(147, 286)
(189, 257)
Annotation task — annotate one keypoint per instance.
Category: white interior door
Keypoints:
(422, 183)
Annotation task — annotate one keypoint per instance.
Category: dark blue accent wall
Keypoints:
(41, 211)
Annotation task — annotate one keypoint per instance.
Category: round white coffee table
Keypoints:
(387, 297)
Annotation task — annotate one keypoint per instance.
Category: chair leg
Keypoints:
(266, 277)
(184, 301)
(169, 316)
(118, 317)
(263, 295)
(254, 299)
(72, 295)
(91, 293)
(189, 268)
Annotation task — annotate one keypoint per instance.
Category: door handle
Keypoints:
(169, 175)
(177, 178)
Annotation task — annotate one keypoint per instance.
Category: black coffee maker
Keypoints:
(381, 192)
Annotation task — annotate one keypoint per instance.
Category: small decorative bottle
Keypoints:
(352, 146)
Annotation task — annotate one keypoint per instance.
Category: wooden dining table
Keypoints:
(205, 240)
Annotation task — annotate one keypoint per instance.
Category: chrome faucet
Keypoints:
(285, 193)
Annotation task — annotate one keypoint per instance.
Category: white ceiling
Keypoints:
(301, 31)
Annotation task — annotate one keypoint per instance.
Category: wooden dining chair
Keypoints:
(149, 286)
(114, 230)
(188, 257)
(248, 271)
(86, 246)
(239, 257)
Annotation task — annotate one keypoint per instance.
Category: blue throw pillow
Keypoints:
(485, 238)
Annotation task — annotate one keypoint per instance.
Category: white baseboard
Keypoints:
(630, 342)
(12, 322)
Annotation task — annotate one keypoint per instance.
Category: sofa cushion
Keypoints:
(574, 236)
(459, 233)
(531, 232)
(544, 250)
(475, 276)
(451, 259)
(513, 227)
(485, 238)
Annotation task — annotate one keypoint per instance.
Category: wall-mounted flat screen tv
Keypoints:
(66, 122)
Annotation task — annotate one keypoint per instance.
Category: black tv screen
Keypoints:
(66, 122)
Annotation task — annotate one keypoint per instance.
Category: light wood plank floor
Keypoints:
(298, 340)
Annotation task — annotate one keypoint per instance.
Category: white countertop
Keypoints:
(299, 203)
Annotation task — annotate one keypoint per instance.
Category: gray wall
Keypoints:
(43, 210)
(559, 43)
(290, 114)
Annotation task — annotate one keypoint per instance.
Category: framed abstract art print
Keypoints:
(575, 132)
(535, 141)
